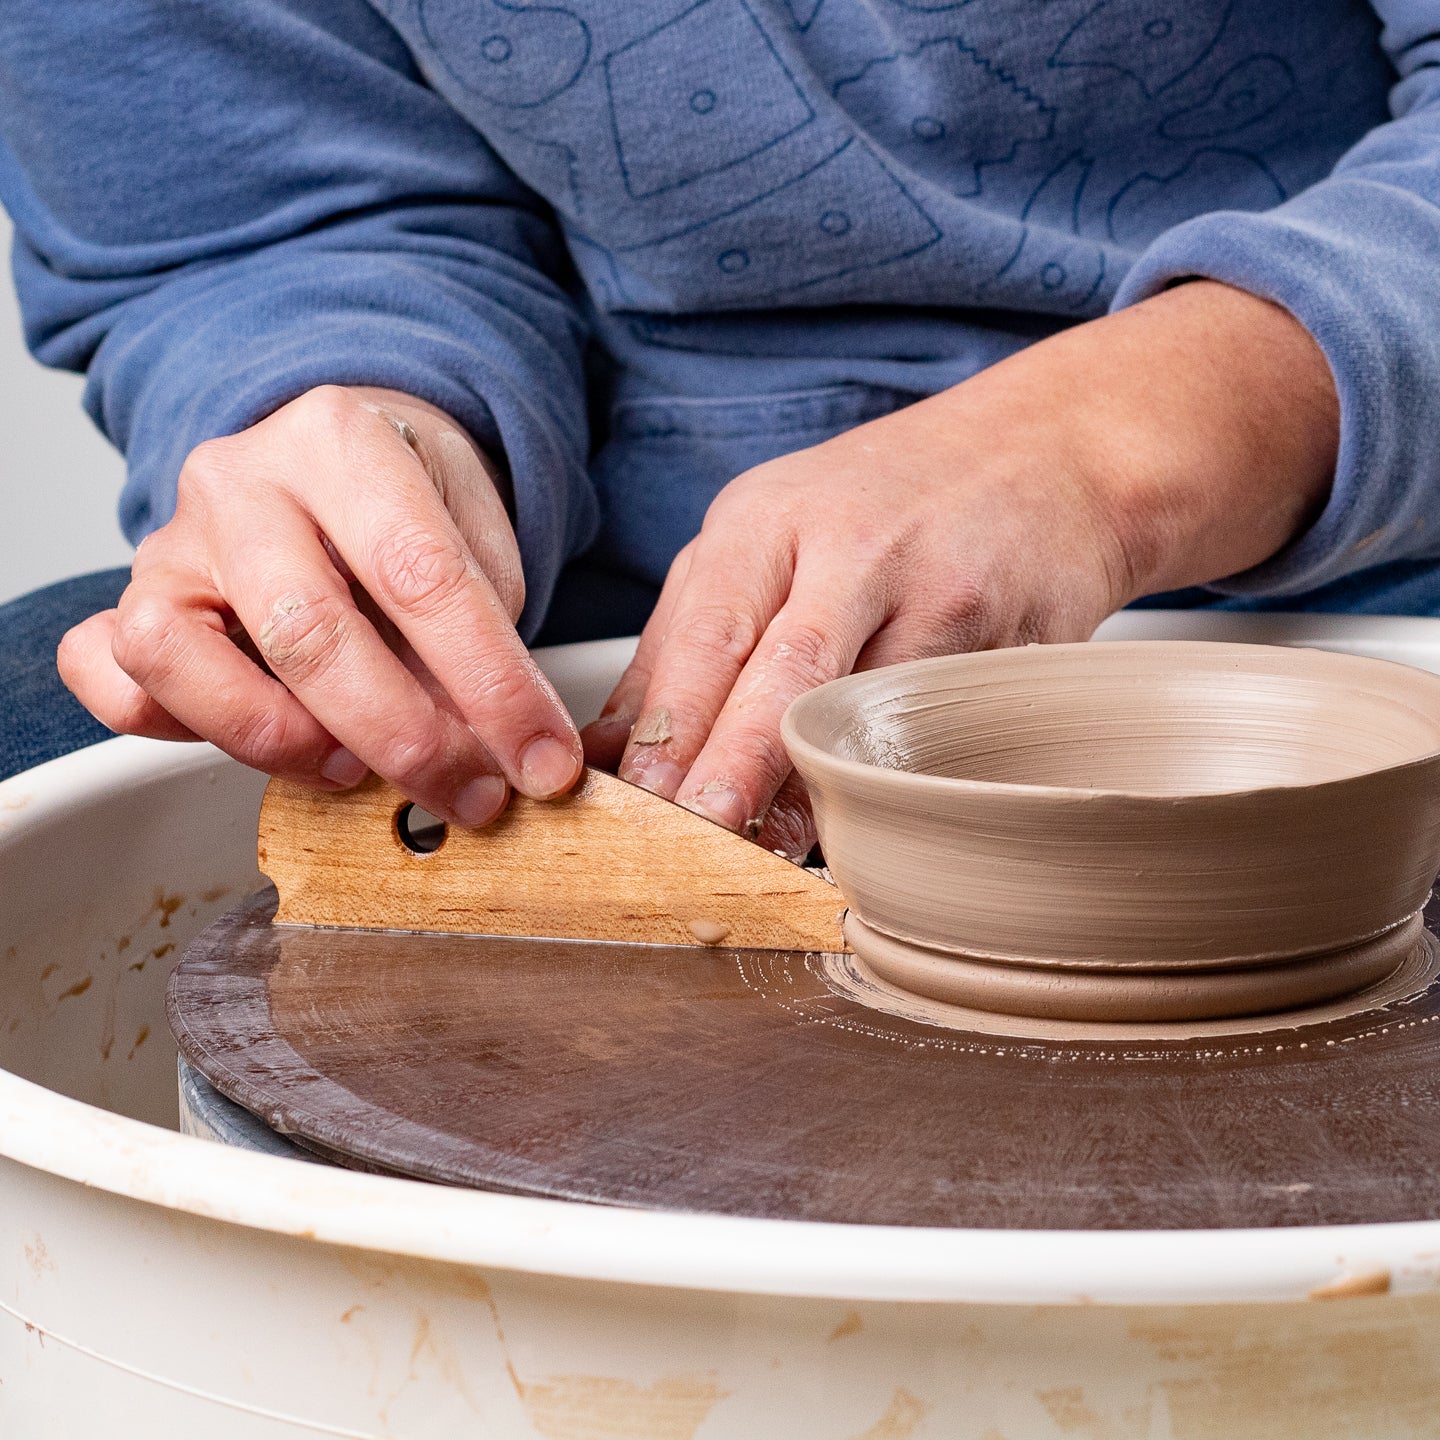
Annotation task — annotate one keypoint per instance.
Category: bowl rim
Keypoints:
(798, 745)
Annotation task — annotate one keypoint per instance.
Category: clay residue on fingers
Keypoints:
(402, 428)
(297, 628)
(652, 728)
(454, 448)
(719, 800)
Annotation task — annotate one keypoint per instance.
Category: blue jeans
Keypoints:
(40, 719)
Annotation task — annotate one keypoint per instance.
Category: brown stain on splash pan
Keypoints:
(1128, 832)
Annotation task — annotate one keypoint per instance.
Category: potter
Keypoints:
(802, 337)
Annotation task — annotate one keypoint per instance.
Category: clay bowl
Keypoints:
(1128, 831)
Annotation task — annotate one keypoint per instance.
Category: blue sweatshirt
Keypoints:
(637, 246)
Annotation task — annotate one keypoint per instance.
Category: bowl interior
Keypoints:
(1142, 718)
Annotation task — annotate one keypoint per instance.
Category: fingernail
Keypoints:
(343, 768)
(660, 777)
(479, 802)
(547, 767)
(721, 805)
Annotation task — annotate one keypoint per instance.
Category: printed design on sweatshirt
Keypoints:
(1066, 270)
(945, 109)
(598, 268)
(1149, 203)
(847, 214)
(514, 55)
(700, 94)
(1247, 92)
(559, 163)
(724, 153)
(1156, 44)
(803, 12)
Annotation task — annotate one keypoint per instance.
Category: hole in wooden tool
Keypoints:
(420, 832)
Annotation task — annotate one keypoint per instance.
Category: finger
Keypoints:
(788, 827)
(832, 611)
(169, 639)
(913, 637)
(311, 634)
(469, 486)
(606, 737)
(87, 666)
(732, 590)
(405, 550)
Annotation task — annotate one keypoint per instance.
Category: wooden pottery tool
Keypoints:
(609, 861)
(608, 999)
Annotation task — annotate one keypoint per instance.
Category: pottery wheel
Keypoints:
(746, 1083)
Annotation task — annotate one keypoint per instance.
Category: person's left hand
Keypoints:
(1176, 442)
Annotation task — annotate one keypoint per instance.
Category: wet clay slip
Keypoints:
(1138, 831)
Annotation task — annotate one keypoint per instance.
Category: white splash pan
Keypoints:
(153, 1285)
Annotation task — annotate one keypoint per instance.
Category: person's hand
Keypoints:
(1176, 442)
(336, 594)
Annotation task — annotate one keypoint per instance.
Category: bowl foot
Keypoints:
(1129, 994)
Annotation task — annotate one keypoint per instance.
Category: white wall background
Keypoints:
(59, 478)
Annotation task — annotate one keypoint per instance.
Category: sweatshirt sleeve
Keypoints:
(1356, 259)
(220, 206)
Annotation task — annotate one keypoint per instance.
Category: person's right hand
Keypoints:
(356, 544)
